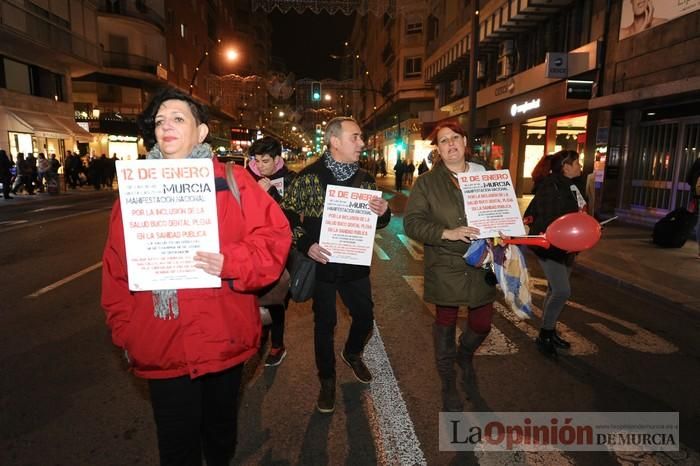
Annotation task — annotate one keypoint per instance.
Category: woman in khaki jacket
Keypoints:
(435, 216)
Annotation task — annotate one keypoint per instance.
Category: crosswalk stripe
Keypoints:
(414, 248)
(636, 338)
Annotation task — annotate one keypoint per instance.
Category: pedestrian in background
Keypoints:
(303, 203)
(435, 217)
(693, 181)
(42, 166)
(399, 169)
(24, 175)
(408, 176)
(268, 168)
(556, 193)
(191, 344)
(423, 167)
(5, 174)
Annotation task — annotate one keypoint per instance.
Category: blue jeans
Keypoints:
(558, 290)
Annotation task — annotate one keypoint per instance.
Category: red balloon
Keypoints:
(574, 232)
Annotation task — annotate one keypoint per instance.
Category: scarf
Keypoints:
(340, 171)
(165, 305)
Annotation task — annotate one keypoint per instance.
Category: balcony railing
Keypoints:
(32, 27)
(126, 61)
(135, 9)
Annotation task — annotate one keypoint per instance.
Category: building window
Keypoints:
(171, 62)
(182, 30)
(170, 17)
(184, 71)
(32, 80)
(414, 27)
(413, 67)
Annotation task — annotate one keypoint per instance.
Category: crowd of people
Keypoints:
(31, 174)
(194, 393)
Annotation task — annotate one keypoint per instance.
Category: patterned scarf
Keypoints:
(341, 171)
(165, 305)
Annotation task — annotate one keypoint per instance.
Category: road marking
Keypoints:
(64, 217)
(13, 222)
(637, 338)
(496, 343)
(380, 252)
(397, 442)
(414, 248)
(69, 278)
(58, 207)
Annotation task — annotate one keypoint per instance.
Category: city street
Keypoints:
(66, 397)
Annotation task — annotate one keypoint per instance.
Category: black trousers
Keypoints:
(197, 416)
(277, 312)
(357, 297)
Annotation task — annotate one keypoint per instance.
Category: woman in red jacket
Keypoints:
(191, 344)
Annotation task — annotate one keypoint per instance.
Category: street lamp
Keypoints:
(231, 55)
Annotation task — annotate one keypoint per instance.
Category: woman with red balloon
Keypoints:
(556, 194)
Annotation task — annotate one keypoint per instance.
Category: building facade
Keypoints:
(36, 100)
(390, 81)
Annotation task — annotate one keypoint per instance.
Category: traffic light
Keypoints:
(400, 146)
(316, 91)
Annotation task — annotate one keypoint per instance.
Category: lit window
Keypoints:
(414, 28)
(182, 30)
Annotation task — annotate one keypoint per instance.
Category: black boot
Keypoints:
(326, 397)
(545, 343)
(559, 342)
(469, 342)
(445, 354)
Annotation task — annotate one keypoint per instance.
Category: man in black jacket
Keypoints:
(303, 203)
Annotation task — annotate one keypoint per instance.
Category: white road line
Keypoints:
(414, 248)
(69, 278)
(13, 222)
(57, 207)
(48, 220)
(397, 442)
(381, 254)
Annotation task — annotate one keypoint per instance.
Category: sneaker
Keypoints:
(354, 361)
(326, 397)
(275, 356)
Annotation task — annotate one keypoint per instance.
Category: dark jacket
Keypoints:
(303, 204)
(553, 198)
(436, 204)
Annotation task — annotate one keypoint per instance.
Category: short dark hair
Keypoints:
(265, 145)
(147, 120)
(553, 164)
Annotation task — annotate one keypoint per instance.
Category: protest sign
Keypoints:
(279, 184)
(169, 213)
(490, 203)
(348, 226)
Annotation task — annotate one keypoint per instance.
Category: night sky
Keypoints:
(306, 41)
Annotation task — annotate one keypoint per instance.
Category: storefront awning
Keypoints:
(79, 133)
(42, 125)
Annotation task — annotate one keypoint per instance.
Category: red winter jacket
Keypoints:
(217, 328)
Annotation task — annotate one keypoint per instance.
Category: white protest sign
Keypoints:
(279, 184)
(490, 203)
(348, 226)
(169, 213)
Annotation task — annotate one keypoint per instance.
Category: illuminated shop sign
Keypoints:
(117, 138)
(524, 107)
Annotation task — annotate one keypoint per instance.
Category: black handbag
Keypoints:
(302, 271)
